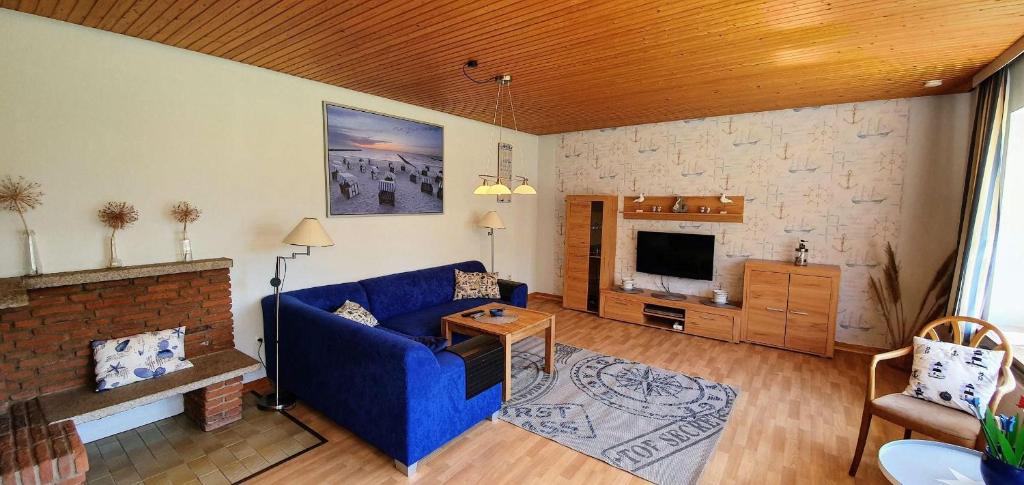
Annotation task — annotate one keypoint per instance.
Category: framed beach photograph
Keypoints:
(380, 164)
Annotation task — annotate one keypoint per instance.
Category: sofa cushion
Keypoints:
(476, 285)
(427, 321)
(402, 293)
(355, 312)
(953, 375)
(328, 298)
(434, 343)
(124, 360)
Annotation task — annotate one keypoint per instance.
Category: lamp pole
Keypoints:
(276, 401)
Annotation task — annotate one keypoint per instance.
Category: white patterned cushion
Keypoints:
(355, 312)
(476, 285)
(139, 357)
(951, 375)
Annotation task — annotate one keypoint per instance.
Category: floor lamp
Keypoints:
(307, 233)
(491, 221)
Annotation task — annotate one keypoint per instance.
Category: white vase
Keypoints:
(32, 250)
(115, 262)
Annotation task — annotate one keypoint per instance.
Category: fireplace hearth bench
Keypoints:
(39, 443)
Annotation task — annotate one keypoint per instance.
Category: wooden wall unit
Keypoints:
(718, 322)
(590, 230)
(791, 307)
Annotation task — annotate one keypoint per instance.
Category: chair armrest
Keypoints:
(892, 354)
(513, 292)
(1007, 383)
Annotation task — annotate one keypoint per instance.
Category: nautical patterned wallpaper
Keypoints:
(832, 175)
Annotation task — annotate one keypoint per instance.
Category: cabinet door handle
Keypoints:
(772, 309)
(798, 313)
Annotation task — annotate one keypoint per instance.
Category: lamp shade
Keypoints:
(491, 220)
(309, 232)
(524, 189)
(500, 189)
(482, 189)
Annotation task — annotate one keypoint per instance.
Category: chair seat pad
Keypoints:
(926, 417)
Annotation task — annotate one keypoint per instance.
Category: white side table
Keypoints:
(920, 462)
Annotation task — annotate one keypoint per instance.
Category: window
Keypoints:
(1006, 303)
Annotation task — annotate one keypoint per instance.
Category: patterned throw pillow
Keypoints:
(952, 375)
(139, 357)
(355, 312)
(476, 285)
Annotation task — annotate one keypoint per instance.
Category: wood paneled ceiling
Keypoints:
(581, 65)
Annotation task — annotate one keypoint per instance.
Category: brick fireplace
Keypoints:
(49, 321)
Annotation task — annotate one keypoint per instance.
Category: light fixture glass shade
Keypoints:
(491, 220)
(483, 189)
(500, 189)
(309, 232)
(524, 189)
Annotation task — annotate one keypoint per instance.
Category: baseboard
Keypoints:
(545, 296)
(858, 349)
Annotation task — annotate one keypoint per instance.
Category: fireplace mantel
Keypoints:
(14, 291)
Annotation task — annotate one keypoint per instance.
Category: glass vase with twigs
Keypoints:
(20, 196)
(117, 216)
(185, 213)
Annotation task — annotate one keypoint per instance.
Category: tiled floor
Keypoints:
(175, 451)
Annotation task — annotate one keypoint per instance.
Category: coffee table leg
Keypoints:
(549, 337)
(507, 386)
(447, 331)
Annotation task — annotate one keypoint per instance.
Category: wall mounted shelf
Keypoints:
(733, 212)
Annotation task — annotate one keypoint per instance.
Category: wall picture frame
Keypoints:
(379, 164)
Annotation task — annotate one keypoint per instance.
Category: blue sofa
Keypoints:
(386, 387)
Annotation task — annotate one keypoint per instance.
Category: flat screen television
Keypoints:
(674, 254)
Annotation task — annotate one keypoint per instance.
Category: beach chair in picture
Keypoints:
(403, 168)
(386, 192)
(391, 167)
(373, 172)
(440, 190)
(334, 175)
(427, 187)
(349, 185)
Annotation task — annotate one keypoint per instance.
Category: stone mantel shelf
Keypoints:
(14, 291)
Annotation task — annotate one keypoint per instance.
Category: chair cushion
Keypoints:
(427, 322)
(402, 293)
(955, 376)
(929, 418)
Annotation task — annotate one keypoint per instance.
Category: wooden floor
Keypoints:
(795, 421)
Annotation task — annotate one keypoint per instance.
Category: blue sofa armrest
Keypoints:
(359, 376)
(513, 292)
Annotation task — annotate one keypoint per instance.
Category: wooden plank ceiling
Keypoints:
(581, 65)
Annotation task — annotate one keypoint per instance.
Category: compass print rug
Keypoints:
(657, 424)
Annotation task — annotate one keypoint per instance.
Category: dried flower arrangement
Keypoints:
(887, 293)
(20, 196)
(185, 213)
(117, 215)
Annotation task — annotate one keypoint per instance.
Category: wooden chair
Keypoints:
(925, 417)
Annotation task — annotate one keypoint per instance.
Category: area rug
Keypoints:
(657, 424)
(175, 450)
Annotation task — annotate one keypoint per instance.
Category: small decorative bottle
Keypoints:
(115, 261)
(801, 254)
(34, 268)
(186, 248)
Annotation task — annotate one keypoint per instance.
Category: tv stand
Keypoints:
(667, 311)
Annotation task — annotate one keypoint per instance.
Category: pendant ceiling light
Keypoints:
(497, 184)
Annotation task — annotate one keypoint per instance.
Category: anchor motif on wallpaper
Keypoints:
(841, 248)
(574, 153)
(852, 120)
(781, 210)
(738, 251)
(848, 184)
(863, 198)
(651, 147)
(726, 185)
(877, 130)
(686, 226)
(636, 135)
(852, 323)
(636, 187)
(729, 129)
(786, 155)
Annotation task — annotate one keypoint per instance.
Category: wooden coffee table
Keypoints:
(529, 322)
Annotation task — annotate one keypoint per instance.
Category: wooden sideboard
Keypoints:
(697, 318)
(791, 307)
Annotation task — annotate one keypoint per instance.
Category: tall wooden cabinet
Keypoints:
(789, 306)
(590, 225)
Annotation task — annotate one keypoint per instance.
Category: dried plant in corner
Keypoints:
(116, 216)
(185, 213)
(20, 196)
(886, 291)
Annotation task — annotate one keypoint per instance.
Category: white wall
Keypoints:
(95, 116)
(792, 166)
